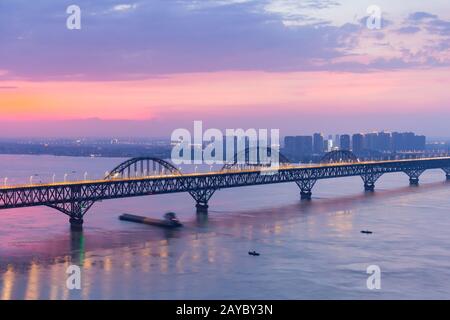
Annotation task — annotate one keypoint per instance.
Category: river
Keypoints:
(308, 249)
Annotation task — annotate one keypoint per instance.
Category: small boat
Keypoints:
(170, 220)
(253, 253)
(366, 232)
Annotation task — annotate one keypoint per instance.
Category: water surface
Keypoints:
(308, 249)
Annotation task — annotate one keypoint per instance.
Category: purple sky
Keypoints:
(54, 81)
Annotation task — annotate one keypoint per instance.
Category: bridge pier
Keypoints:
(201, 198)
(305, 195)
(202, 207)
(76, 224)
(413, 181)
(306, 186)
(447, 173)
(369, 180)
(414, 175)
(75, 210)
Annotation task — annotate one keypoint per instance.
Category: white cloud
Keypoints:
(124, 7)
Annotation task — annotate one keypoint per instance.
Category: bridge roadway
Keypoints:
(74, 198)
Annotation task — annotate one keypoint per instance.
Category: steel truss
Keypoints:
(75, 198)
(414, 175)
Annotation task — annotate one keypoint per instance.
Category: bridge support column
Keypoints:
(305, 195)
(306, 186)
(76, 224)
(201, 198)
(447, 173)
(75, 210)
(414, 175)
(202, 207)
(369, 180)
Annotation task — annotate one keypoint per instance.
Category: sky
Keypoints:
(145, 68)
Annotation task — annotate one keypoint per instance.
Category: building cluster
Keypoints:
(307, 147)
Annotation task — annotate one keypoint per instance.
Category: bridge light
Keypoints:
(65, 177)
(31, 179)
(5, 181)
(85, 175)
(53, 178)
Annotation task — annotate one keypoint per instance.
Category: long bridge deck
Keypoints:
(74, 198)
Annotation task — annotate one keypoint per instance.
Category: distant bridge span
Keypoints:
(160, 177)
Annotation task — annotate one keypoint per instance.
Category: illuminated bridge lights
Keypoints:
(76, 198)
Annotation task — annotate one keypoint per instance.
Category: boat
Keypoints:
(253, 253)
(366, 232)
(170, 220)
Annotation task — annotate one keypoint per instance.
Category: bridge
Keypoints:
(151, 176)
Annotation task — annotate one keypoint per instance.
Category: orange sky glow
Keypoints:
(215, 93)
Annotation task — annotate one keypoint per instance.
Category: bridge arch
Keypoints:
(143, 165)
(202, 196)
(147, 165)
(339, 156)
(245, 154)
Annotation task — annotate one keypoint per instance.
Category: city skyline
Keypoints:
(251, 64)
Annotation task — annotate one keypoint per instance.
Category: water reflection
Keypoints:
(8, 283)
(32, 288)
(77, 247)
(141, 262)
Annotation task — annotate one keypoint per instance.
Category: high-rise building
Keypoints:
(337, 141)
(419, 143)
(370, 140)
(344, 142)
(318, 146)
(407, 141)
(383, 141)
(357, 143)
(299, 147)
(289, 146)
(305, 146)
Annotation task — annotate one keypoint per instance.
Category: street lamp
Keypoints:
(5, 181)
(53, 177)
(31, 179)
(85, 175)
(65, 177)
